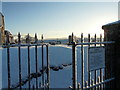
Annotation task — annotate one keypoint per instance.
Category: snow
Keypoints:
(58, 55)
(61, 79)
(0, 68)
(116, 22)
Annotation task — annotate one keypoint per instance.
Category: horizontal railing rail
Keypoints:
(23, 45)
(90, 43)
(85, 43)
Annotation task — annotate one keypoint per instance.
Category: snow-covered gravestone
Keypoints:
(96, 58)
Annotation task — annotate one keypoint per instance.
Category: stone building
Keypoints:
(2, 28)
(112, 33)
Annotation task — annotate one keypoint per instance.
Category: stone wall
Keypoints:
(112, 33)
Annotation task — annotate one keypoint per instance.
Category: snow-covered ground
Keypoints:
(58, 55)
(0, 68)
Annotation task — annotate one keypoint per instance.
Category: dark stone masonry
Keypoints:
(112, 33)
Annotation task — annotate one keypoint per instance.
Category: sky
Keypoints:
(0, 6)
(60, 0)
(119, 10)
(58, 19)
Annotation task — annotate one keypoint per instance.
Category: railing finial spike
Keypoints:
(36, 38)
(28, 38)
(42, 38)
(81, 37)
(19, 36)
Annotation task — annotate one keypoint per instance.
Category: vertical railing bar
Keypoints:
(74, 66)
(8, 60)
(42, 67)
(28, 62)
(82, 62)
(100, 68)
(100, 77)
(95, 39)
(36, 66)
(78, 86)
(100, 39)
(104, 83)
(48, 68)
(40, 84)
(36, 59)
(88, 62)
(92, 82)
(95, 70)
(84, 84)
(33, 88)
(19, 59)
(97, 81)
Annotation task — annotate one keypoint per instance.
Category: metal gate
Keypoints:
(41, 76)
(96, 79)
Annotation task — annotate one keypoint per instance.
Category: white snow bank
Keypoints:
(0, 68)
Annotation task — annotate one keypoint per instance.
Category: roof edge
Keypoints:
(111, 24)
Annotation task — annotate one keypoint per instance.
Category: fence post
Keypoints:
(112, 33)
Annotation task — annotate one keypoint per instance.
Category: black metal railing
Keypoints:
(97, 82)
(45, 69)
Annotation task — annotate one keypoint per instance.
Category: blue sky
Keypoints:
(58, 19)
(0, 6)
